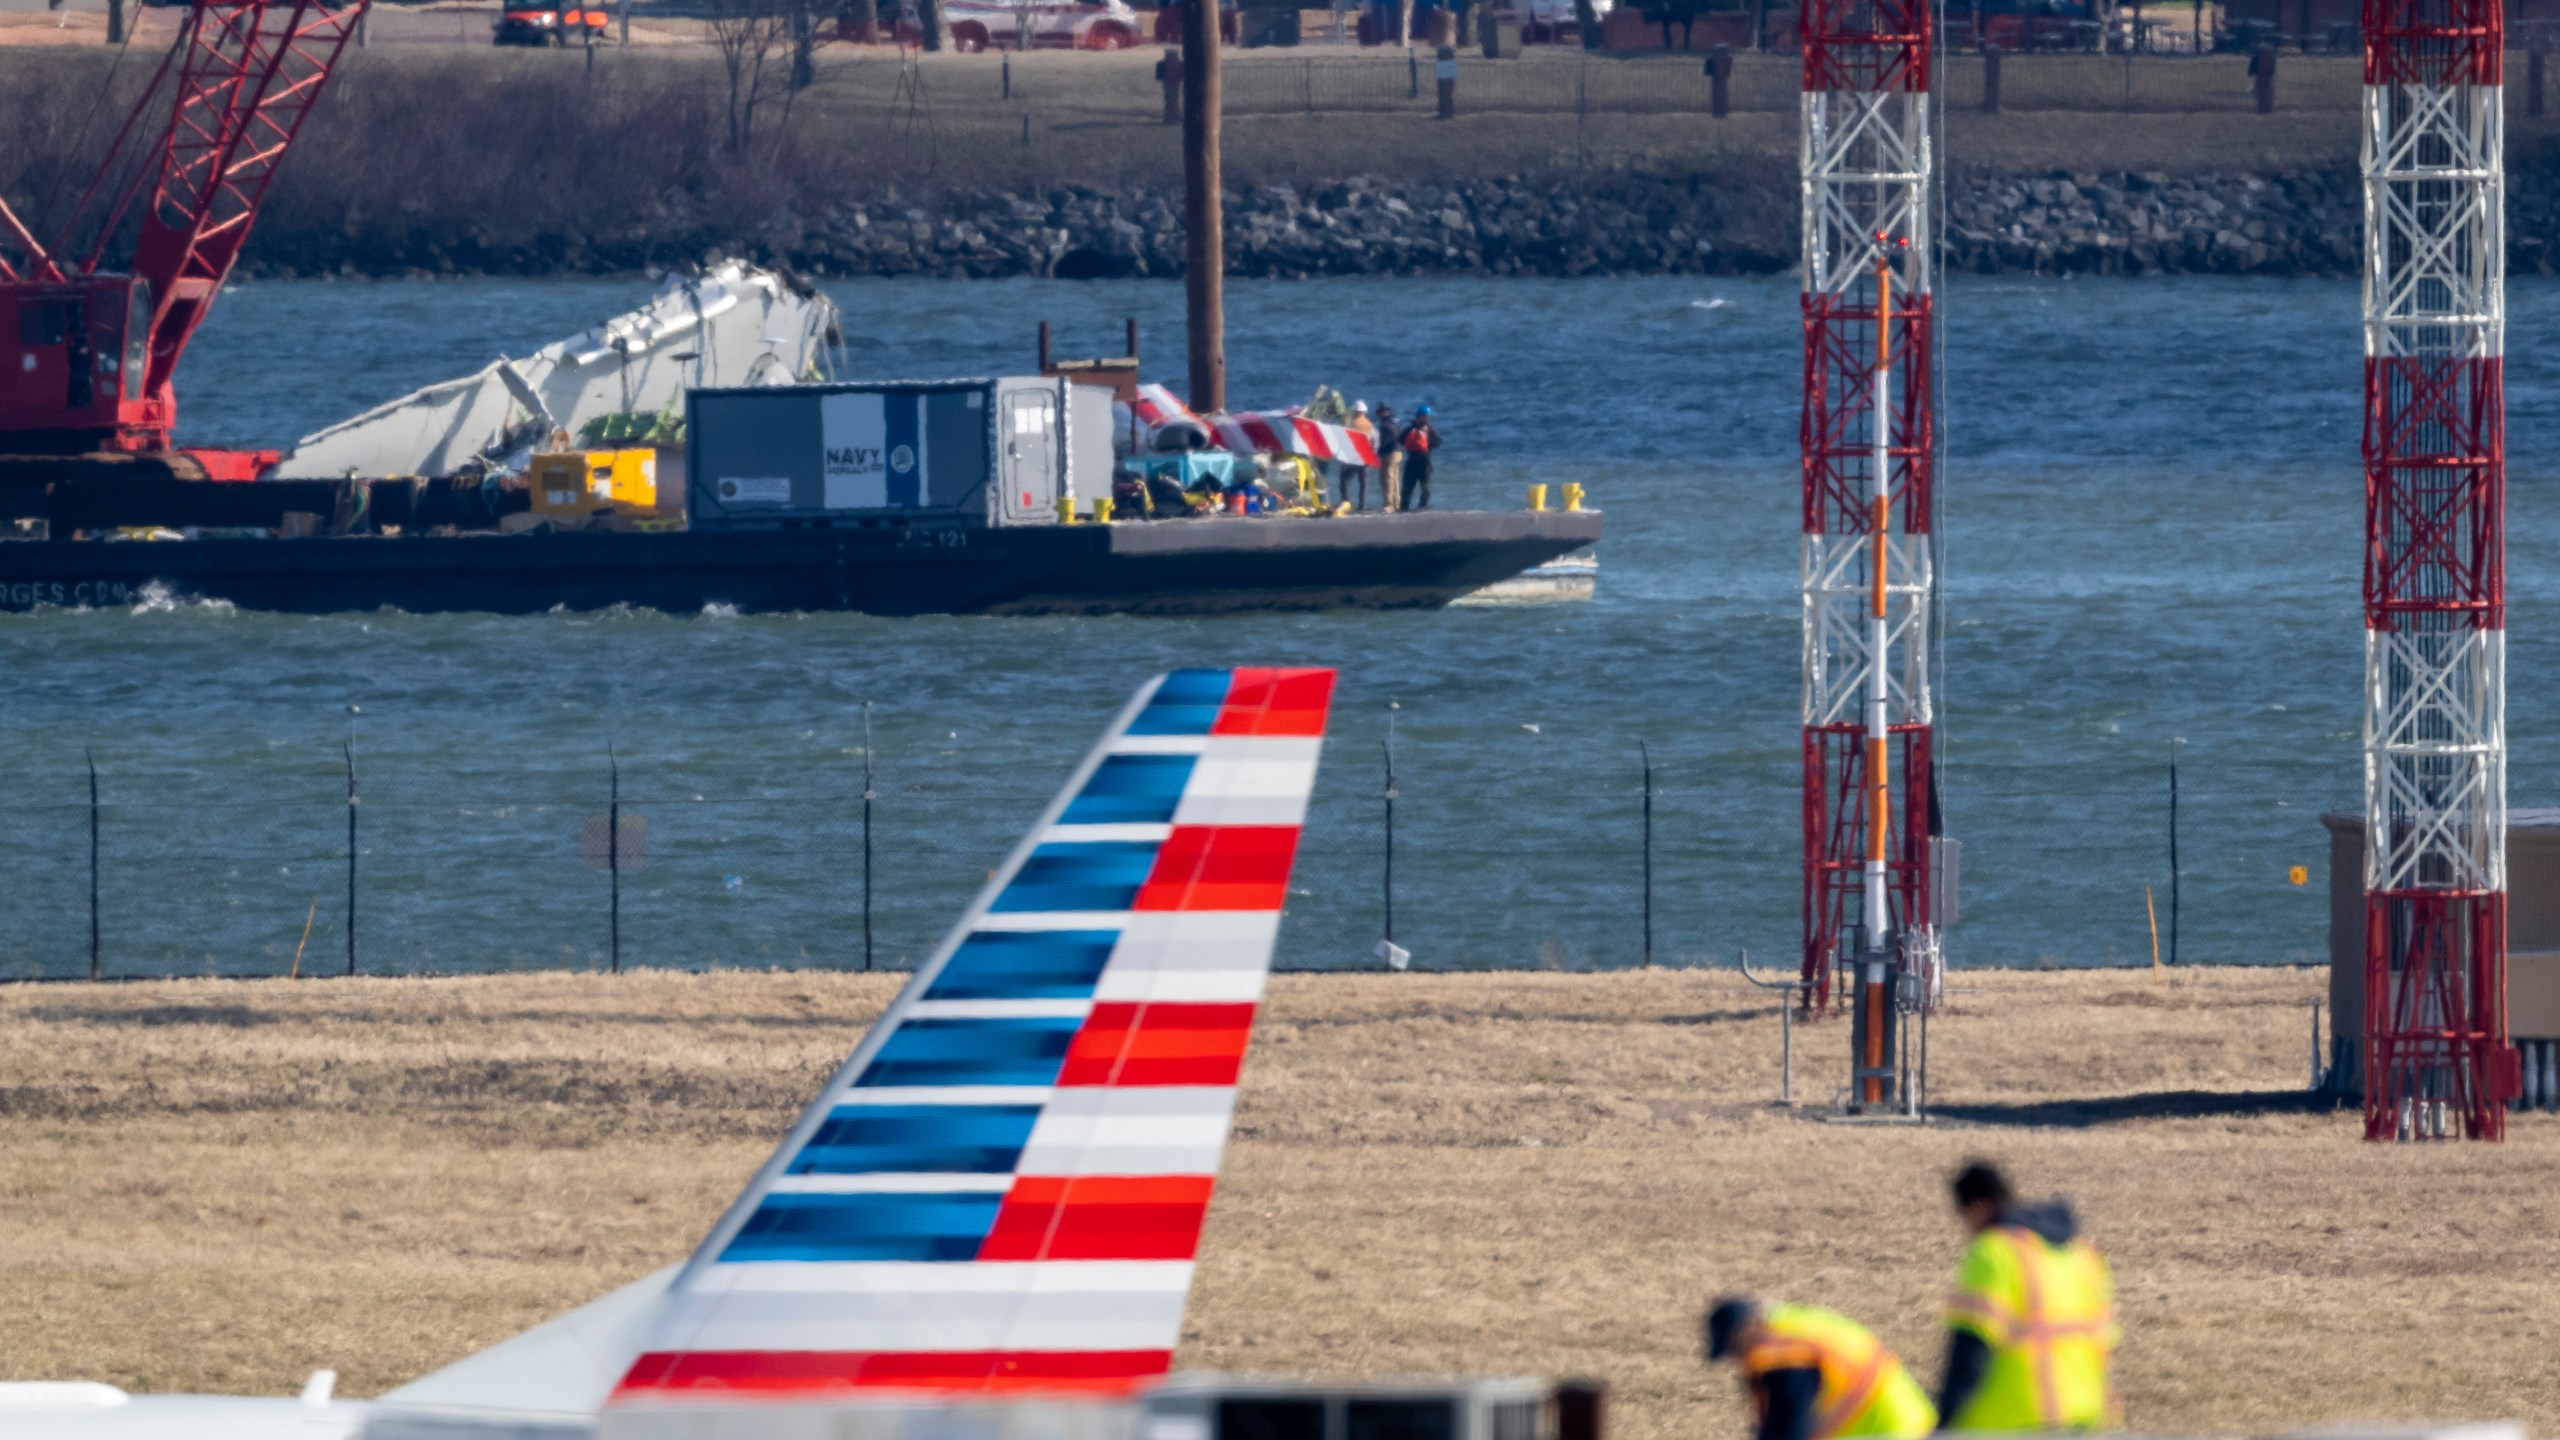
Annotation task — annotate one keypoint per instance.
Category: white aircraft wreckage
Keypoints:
(734, 324)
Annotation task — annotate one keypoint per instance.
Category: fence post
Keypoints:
(1006, 63)
(1169, 75)
(351, 843)
(1445, 70)
(869, 790)
(2262, 74)
(1388, 793)
(1720, 81)
(92, 758)
(2173, 850)
(1412, 74)
(1646, 752)
(2533, 83)
(613, 850)
(1990, 79)
(1309, 81)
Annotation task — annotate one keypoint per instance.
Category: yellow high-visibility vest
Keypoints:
(2048, 1314)
(1865, 1390)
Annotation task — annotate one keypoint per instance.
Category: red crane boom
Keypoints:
(97, 348)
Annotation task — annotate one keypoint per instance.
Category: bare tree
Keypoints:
(756, 44)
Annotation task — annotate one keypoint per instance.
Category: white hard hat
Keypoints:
(1360, 408)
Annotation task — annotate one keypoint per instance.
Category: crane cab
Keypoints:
(77, 363)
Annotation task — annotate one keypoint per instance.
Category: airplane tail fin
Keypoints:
(1000, 1193)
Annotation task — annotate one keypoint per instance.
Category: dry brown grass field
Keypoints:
(223, 1185)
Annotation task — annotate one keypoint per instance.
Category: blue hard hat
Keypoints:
(1425, 410)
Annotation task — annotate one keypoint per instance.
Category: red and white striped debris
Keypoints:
(1253, 432)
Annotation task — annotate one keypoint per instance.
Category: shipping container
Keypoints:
(977, 452)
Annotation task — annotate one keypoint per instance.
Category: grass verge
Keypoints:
(222, 1186)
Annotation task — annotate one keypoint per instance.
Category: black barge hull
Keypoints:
(1168, 567)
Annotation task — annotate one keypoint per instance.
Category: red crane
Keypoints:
(89, 385)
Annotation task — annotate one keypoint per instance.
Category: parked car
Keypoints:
(2015, 25)
(1557, 22)
(538, 24)
(550, 24)
(1053, 24)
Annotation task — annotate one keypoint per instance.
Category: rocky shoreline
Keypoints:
(2299, 223)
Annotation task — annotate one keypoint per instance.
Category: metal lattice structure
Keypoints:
(2437, 1061)
(1869, 432)
(205, 138)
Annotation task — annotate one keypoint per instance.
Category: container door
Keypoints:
(1027, 424)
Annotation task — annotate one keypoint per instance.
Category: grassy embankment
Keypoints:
(224, 1185)
(431, 155)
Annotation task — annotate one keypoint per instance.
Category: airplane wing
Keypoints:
(1001, 1192)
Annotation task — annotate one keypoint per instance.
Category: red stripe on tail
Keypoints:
(800, 1373)
(1128, 1043)
(1100, 1217)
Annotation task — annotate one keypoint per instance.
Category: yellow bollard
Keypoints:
(1537, 497)
(1102, 510)
(1572, 495)
(1066, 509)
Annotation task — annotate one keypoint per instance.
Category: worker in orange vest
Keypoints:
(1421, 438)
(1812, 1374)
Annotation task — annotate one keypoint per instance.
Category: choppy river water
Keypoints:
(2152, 537)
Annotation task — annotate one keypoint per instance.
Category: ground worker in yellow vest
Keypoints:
(1814, 1375)
(2031, 1325)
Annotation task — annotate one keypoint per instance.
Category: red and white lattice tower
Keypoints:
(1868, 431)
(2437, 1061)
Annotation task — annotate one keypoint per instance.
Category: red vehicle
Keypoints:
(551, 24)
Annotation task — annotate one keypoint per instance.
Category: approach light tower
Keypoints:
(2437, 1061)
(1868, 434)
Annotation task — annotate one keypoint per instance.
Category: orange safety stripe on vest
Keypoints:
(1796, 1352)
(1988, 1310)
(1854, 1396)
(2037, 1330)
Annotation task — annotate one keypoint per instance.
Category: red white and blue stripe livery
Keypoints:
(1001, 1192)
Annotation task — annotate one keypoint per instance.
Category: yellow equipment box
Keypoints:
(576, 484)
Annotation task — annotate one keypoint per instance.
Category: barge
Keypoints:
(1209, 565)
(961, 496)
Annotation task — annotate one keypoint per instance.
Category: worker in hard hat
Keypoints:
(2031, 1326)
(1813, 1374)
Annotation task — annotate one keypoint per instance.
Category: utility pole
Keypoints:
(1203, 213)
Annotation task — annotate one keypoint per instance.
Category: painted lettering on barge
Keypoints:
(28, 594)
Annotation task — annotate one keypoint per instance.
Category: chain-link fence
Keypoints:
(1672, 84)
(1559, 80)
(1568, 82)
(298, 861)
